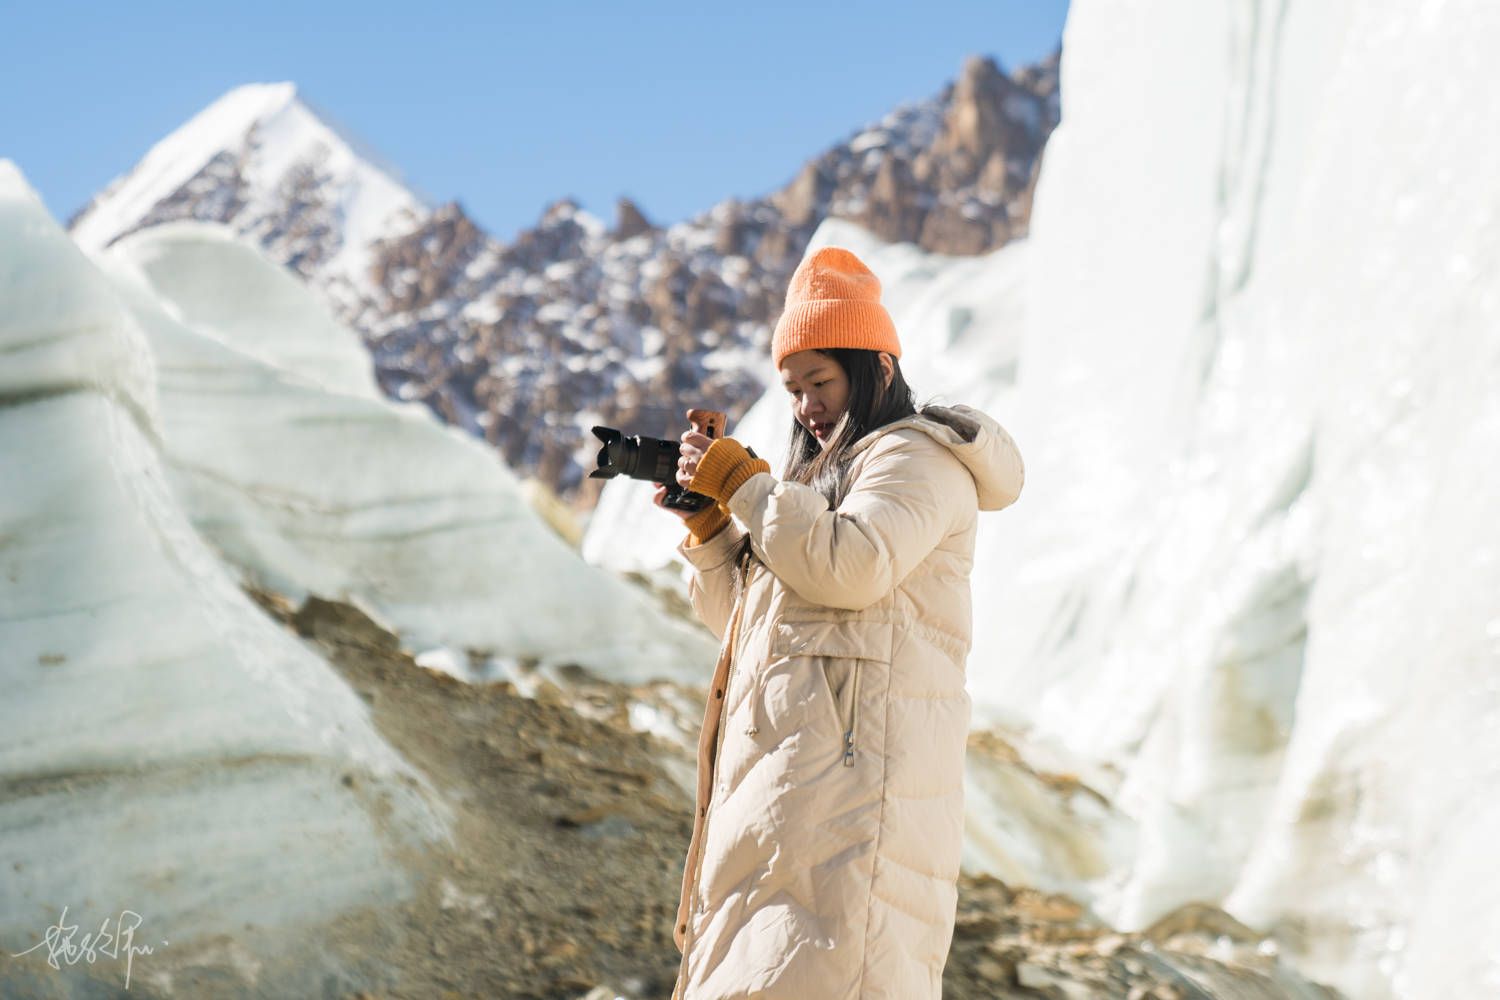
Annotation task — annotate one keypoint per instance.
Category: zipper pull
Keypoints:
(853, 716)
(753, 729)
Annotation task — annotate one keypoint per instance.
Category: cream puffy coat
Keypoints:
(829, 819)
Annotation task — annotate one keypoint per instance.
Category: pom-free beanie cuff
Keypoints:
(705, 524)
(724, 468)
(835, 323)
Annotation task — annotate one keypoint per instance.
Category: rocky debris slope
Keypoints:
(577, 322)
(1021, 944)
(563, 872)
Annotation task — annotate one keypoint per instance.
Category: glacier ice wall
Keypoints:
(1261, 388)
(164, 746)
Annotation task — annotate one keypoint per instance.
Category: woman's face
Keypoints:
(819, 391)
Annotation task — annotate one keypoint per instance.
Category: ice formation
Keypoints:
(1261, 382)
(164, 746)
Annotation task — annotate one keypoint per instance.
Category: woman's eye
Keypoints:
(819, 385)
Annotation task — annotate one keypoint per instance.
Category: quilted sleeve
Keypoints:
(712, 586)
(908, 494)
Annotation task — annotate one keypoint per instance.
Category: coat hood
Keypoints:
(975, 439)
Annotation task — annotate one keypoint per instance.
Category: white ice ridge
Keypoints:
(1256, 566)
(164, 746)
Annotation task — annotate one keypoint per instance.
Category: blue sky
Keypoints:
(504, 108)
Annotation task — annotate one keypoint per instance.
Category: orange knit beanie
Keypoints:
(833, 301)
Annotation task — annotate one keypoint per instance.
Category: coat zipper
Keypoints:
(687, 941)
(853, 714)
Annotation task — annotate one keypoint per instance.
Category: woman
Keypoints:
(829, 822)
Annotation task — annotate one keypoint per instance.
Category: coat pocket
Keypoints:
(841, 678)
(839, 652)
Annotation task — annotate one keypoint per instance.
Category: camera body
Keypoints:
(654, 460)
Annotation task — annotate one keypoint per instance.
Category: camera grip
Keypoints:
(709, 423)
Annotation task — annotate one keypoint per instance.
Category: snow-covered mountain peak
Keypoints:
(263, 160)
(176, 158)
(568, 210)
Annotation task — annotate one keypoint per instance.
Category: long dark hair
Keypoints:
(872, 404)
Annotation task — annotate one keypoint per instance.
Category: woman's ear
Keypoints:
(888, 367)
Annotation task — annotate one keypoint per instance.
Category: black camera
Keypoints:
(654, 460)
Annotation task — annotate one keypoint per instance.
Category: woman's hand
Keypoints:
(701, 524)
(694, 445)
(661, 493)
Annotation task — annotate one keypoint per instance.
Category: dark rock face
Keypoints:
(216, 193)
(629, 221)
(574, 324)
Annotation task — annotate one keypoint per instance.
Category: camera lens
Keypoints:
(636, 457)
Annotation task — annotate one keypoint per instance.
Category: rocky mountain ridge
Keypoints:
(577, 322)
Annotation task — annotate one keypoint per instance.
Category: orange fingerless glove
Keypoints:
(724, 468)
(705, 524)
